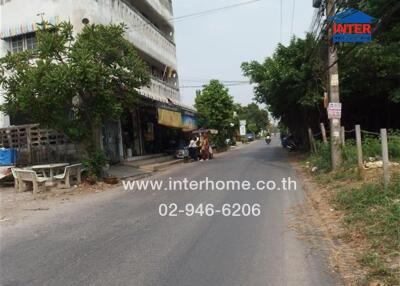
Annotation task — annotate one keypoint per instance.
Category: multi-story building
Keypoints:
(143, 129)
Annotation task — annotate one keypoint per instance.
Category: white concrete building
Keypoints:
(149, 29)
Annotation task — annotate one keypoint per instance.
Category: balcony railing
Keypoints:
(160, 90)
(167, 4)
(163, 7)
(146, 37)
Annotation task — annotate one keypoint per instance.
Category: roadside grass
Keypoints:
(374, 212)
(368, 208)
(371, 149)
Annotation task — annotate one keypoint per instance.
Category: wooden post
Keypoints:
(359, 148)
(343, 136)
(312, 143)
(385, 157)
(10, 143)
(323, 131)
(29, 143)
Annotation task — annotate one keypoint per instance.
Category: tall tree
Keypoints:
(292, 81)
(290, 84)
(73, 85)
(256, 117)
(215, 109)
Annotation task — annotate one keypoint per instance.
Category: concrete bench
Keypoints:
(70, 172)
(23, 176)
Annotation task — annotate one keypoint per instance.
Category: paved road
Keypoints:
(118, 238)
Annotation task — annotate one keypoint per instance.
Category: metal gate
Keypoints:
(111, 140)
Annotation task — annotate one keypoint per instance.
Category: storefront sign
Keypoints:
(189, 122)
(169, 118)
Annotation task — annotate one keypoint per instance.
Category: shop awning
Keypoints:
(153, 96)
(7, 32)
(171, 113)
(169, 118)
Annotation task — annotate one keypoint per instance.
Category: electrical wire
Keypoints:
(212, 10)
(281, 25)
(292, 22)
(225, 84)
(201, 13)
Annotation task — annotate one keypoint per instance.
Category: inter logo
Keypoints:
(352, 26)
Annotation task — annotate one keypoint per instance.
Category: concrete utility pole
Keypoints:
(333, 91)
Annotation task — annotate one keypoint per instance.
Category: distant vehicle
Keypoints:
(288, 142)
(182, 153)
(268, 140)
(250, 136)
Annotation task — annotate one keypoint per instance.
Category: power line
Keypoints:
(293, 11)
(203, 13)
(225, 84)
(280, 29)
(213, 10)
(207, 80)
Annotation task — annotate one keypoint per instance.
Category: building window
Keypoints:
(31, 42)
(22, 43)
(17, 44)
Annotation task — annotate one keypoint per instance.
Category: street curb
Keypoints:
(137, 177)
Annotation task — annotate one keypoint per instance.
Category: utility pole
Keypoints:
(333, 91)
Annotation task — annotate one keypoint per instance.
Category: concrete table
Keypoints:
(51, 168)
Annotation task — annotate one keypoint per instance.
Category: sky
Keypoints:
(213, 46)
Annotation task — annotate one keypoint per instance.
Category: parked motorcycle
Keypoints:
(291, 146)
(289, 143)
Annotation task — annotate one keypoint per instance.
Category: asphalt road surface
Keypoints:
(119, 238)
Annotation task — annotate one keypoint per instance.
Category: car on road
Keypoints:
(250, 136)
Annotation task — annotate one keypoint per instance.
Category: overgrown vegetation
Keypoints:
(372, 149)
(369, 209)
(374, 212)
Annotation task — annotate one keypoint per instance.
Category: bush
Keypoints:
(94, 164)
(349, 154)
(394, 145)
(322, 160)
(371, 146)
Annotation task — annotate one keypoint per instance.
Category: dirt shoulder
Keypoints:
(17, 206)
(350, 245)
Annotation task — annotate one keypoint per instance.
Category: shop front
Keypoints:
(155, 127)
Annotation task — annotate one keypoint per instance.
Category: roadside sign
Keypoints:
(335, 110)
(242, 127)
(242, 130)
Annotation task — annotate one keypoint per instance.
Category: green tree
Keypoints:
(292, 81)
(74, 85)
(255, 116)
(215, 109)
(370, 73)
(290, 84)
